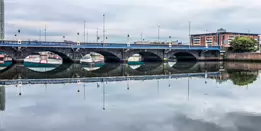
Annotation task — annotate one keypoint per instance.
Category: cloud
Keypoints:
(143, 107)
(132, 17)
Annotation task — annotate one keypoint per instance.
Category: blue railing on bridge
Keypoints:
(103, 45)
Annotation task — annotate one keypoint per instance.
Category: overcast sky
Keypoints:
(65, 18)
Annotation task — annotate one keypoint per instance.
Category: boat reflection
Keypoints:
(41, 69)
(135, 64)
(171, 64)
(93, 66)
(5, 65)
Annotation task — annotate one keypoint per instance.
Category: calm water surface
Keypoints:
(226, 102)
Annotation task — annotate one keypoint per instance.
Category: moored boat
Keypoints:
(37, 60)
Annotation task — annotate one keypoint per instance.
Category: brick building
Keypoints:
(221, 37)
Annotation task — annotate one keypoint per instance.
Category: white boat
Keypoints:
(135, 57)
(33, 59)
(54, 61)
(38, 60)
(88, 59)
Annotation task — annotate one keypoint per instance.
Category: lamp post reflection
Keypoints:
(84, 93)
(20, 84)
(2, 106)
(188, 87)
(206, 76)
(45, 87)
(78, 83)
(169, 81)
(103, 94)
(158, 91)
(128, 83)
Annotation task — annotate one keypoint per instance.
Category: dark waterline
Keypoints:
(226, 101)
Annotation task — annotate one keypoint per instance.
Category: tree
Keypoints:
(244, 44)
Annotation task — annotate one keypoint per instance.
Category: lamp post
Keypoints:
(189, 34)
(103, 36)
(19, 31)
(158, 33)
(97, 35)
(141, 36)
(170, 41)
(40, 34)
(84, 31)
(45, 32)
(78, 36)
(128, 40)
(63, 38)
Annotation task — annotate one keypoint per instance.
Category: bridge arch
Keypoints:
(147, 55)
(8, 51)
(65, 54)
(147, 67)
(183, 66)
(54, 70)
(183, 56)
(109, 57)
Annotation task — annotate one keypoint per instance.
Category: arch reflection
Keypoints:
(41, 67)
(93, 66)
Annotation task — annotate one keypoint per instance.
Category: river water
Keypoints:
(197, 97)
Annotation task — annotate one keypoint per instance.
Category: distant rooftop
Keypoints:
(223, 31)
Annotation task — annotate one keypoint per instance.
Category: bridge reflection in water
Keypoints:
(80, 75)
(75, 73)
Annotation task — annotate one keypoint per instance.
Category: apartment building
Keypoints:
(219, 38)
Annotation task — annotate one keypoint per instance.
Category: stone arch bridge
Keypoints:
(112, 52)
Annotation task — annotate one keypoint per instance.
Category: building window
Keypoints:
(196, 40)
(209, 40)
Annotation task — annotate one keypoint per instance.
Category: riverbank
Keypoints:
(253, 57)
